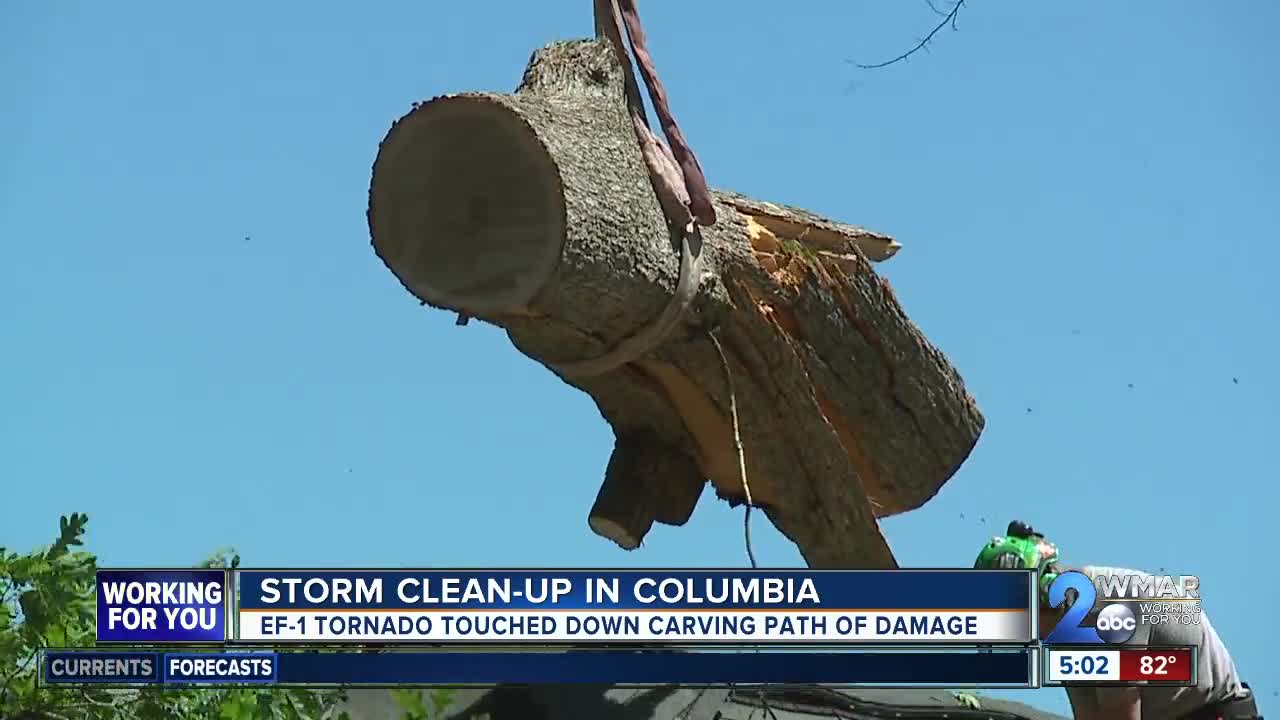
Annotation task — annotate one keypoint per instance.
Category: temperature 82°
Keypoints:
(1172, 665)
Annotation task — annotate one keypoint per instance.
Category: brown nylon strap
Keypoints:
(699, 194)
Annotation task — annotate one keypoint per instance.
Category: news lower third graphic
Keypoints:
(1007, 668)
(1125, 603)
(183, 607)
(920, 628)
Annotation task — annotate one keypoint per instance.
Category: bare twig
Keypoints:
(737, 442)
(84, 695)
(948, 19)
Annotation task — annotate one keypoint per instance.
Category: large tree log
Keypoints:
(533, 211)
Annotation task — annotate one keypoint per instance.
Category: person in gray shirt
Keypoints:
(1218, 693)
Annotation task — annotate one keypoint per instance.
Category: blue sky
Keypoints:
(201, 349)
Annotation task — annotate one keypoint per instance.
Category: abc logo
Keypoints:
(1116, 623)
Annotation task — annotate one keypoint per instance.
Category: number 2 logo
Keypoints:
(1068, 630)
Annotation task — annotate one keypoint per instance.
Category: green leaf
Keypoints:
(48, 598)
(411, 704)
(441, 699)
(237, 706)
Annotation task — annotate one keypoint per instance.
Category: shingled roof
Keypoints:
(673, 702)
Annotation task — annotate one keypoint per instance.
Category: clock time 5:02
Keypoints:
(1083, 666)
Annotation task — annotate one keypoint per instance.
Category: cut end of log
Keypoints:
(647, 481)
(612, 530)
(466, 206)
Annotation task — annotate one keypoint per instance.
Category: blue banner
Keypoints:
(1001, 668)
(162, 606)
(903, 590)
(224, 667)
(92, 667)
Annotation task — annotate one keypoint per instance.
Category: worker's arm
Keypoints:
(1083, 705)
(1103, 703)
(1121, 703)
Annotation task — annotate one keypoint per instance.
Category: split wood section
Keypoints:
(533, 211)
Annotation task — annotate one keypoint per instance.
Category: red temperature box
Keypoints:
(1171, 665)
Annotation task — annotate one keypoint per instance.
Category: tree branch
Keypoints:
(948, 19)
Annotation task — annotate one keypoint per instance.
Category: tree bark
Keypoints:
(533, 211)
(647, 480)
